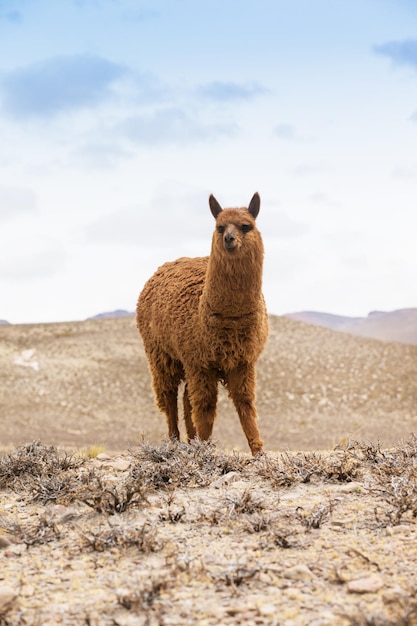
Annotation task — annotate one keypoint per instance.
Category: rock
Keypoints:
(299, 572)
(13, 550)
(123, 618)
(226, 479)
(28, 591)
(103, 457)
(120, 464)
(400, 529)
(4, 541)
(268, 609)
(327, 618)
(369, 584)
(352, 487)
(7, 595)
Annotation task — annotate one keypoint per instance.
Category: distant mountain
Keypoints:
(4, 322)
(112, 314)
(327, 320)
(400, 325)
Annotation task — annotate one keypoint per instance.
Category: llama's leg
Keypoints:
(189, 424)
(202, 390)
(166, 378)
(241, 386)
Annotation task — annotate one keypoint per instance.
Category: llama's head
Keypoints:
(236, 231)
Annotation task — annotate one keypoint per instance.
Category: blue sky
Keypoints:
(118, 118)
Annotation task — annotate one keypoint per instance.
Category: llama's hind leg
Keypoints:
(241, 386)
(202, 390)
(189, 424)
(166, 380)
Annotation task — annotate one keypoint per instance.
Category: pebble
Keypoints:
(103, 457)
(120, 465)
(4, 541)
(299, 572)
(28, 591)
(226, 479)
(353, 487)
(7, 595)
(268, 609)
(13, 550)
(399, 530)
(370, 584)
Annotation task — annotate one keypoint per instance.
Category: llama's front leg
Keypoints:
(241, 386)
(202, 391)
(189, 424)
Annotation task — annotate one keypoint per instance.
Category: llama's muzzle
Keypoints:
(230, 241)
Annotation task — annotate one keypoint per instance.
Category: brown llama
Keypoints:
(203, 320)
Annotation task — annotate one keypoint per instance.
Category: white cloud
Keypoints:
(175, 216)
(33, 266)
(400, 52)
(173, 125)
(285, 131)
(58, 84)
(16, 201)
(229, 91)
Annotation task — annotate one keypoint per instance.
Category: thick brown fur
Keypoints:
(203, 320)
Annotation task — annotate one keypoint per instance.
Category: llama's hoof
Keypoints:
(257, 451)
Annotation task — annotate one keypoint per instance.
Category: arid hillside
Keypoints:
(83, 383)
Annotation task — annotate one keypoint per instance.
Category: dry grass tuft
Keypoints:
(290, 468)
(43, 530)
(34, 461)
(180, 464)
(143, 538)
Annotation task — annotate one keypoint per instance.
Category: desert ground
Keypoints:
(104, 522)
(86, 383)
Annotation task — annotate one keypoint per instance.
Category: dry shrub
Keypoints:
(43, 530)
(239, 575)
(143, 538)
(315, 518)
(396, 483)
(290, 468)
(180, 464)
(391, 475)
(34, 462)
(403, 611)
(146, 594)
(110, 497)
(246, 502)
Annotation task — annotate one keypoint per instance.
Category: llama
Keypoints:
(204, 320)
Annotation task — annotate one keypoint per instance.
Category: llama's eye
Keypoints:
(245, 228)
(221, 229)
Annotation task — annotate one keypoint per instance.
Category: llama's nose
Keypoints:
(230, 242)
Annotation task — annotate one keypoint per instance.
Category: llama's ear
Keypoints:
(215, 207)
(254, 205)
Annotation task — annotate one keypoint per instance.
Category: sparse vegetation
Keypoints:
(111, 536)
(197, 534)
(93, 451)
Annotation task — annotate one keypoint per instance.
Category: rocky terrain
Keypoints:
(177, 534)
(103, 522)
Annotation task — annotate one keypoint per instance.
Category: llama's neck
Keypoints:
(233, 285)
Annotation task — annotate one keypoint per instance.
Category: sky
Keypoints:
(118, 118)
